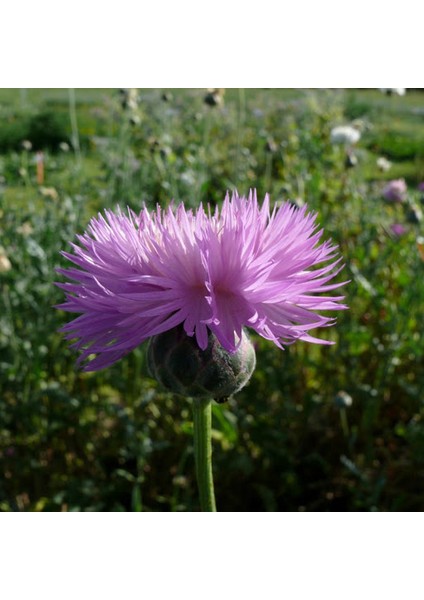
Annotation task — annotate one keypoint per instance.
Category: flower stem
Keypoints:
(202, 418)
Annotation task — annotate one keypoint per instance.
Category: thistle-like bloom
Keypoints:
(395, 191)
(345, 135)
(398, 229)
(210, 272)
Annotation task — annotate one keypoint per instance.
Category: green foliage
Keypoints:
(45, 129)
(357, 107)
(398, 145)
(12, 132)
(114, 440)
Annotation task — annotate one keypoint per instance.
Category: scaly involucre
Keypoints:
(240, 266)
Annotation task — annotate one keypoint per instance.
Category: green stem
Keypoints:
(202, 418)
(240, 123)
(344, 423)
(74, 126)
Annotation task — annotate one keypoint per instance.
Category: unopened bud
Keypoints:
(343, 399)
(351, 161)
(178, 363)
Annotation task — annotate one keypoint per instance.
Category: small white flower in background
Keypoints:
(188, 177)
(345, 134)
(129, 98)
(64, 146)
(383, 164)
(342, 399)
(395, 91)
(49, 192)
(135, 119)
(25, 229)
(5, 264)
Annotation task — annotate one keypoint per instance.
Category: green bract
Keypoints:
(178, 363)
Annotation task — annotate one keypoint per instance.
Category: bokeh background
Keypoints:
(336, 428)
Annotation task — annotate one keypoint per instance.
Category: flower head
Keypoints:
(398, 229)
(395, 190)
(345, 134)
(210, 272)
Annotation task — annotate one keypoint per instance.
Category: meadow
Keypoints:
(318, 428)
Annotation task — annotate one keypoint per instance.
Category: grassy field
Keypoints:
(336, 428)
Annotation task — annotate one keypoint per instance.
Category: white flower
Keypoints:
(5, 264)
(383, 164)
(26, 145)
(390, 91)
(25, 229)
(129, 98)
(345, 134)
(49, 192)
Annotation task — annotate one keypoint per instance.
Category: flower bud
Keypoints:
(414, 214)
(271, 145)
(178, 363)
(342, 399)
(351, 160)
(214, 97)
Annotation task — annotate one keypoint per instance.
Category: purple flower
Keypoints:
(421, 186)
(241, 266)
(395, 190)
(398, 229)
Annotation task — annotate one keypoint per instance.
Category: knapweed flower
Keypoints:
(208, 272)
(398, 229)
(395, 191)
(345, 135)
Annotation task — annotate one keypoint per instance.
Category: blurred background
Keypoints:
(337, 428)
